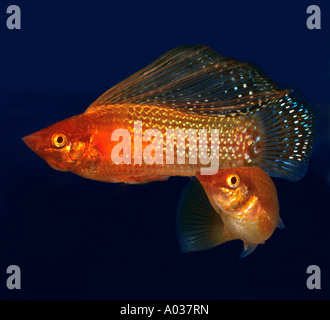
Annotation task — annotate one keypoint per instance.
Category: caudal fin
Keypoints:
(288, 127)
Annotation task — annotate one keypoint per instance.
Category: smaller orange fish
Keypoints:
(238, 203)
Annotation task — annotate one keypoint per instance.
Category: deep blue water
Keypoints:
(75, 238)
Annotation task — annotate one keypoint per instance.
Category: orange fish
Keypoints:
(237, 203)
(138, 131)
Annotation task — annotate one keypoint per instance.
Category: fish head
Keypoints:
(246, 199)
(62, 145)
(229, 189)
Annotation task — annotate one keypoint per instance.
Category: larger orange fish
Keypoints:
(130, 134)
(238, 203)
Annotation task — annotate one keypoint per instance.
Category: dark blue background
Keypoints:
(75, 238)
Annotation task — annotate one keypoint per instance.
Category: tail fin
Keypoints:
(288, 127)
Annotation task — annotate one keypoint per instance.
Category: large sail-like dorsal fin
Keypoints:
(196, 79)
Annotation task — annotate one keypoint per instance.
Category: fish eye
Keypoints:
(59, 140)
(233, 181)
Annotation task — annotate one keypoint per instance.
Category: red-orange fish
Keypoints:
(237, 203)
(138, 131)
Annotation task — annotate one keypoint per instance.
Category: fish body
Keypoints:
(239, 142)
(130, 134)
(238, 203)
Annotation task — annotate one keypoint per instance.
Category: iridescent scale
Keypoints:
(239, 141)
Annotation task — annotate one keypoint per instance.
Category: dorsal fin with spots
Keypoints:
(195, 79)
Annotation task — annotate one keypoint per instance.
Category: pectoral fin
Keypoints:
(271, 211)
(199, 226)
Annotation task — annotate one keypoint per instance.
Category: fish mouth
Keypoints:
(36, 143)
(28, 140)
(33, 141)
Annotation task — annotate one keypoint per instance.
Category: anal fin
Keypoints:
(248, 249)
(146, 179)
